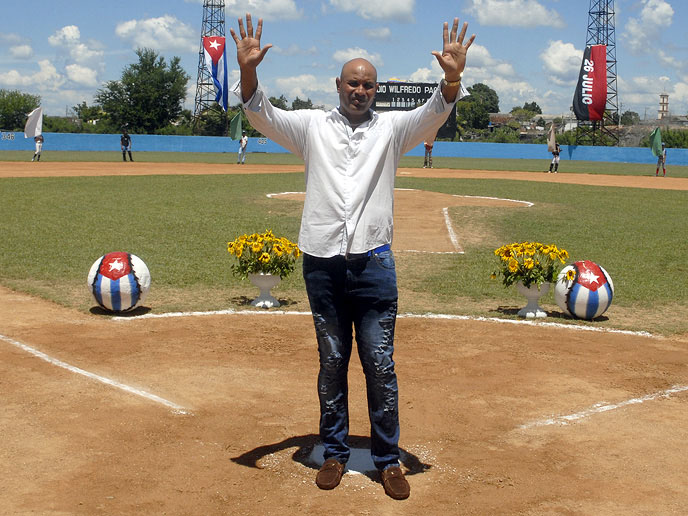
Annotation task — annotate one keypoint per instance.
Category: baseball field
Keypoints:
(198, 404)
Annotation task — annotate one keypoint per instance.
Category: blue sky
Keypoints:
(526, 50)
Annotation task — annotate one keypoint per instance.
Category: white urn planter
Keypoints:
(265, 282)
(532, 294)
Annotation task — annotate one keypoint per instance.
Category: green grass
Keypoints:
(640, 236)
(53, 229)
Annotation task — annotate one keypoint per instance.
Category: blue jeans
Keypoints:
(358, 293)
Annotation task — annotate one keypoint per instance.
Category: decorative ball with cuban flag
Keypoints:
(584, 290)
(119, 281)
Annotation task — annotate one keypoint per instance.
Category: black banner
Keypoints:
(590, 98)
(404, 96)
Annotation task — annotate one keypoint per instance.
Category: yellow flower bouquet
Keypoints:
(263, 253)
(531, 263)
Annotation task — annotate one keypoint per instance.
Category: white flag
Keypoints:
(551, 139)
(34, 124)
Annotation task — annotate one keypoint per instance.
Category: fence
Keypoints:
(148, 142)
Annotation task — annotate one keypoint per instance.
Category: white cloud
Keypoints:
(163, 33)
(266, 9)
(680, 93)
(68, 38)
(433, 73)
(642, 32)
(294, 50)
(379, 33)
(46, 79)
(82, 75)
(10, 38)
(399, 10)
(562, 61)
(479, 57)
(345, 55)
(21, 51)
(304, 86)
(514, 13)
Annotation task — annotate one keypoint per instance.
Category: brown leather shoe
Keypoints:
(395, 484)
(330, 474)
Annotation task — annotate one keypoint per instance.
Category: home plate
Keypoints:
(359, 463)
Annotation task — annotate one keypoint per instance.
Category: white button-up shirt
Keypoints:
(349, 171)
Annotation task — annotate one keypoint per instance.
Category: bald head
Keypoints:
(356, 86)
(358, 64)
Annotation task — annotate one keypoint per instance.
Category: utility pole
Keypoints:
(213, 25)
(601, 31)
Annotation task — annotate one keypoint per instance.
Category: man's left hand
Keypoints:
(453, 56)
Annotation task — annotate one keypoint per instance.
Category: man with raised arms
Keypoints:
(351, 154)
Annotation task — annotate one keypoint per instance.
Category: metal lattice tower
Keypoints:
(213, 25)
(601, 31)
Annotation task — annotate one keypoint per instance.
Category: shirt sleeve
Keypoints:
(414, 126)
(287, 128)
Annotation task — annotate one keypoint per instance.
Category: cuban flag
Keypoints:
(119, 281)
(216, 63)
(592, 290)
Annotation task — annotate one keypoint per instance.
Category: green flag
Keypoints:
(235, 127)
(656, 142)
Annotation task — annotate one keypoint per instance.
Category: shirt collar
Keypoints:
(336, 115)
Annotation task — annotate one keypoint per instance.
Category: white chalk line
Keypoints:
(445, 211)
(399, 316)
(527, 203)
(107, 381)
(450, 229)
(598, 408)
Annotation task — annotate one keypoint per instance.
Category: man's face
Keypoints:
(356, 87)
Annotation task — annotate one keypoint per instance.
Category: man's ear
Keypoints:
(338, 82)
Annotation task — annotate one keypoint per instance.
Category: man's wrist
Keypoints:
(453, 82)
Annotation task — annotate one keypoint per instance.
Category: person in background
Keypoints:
(661, 162)
(428, 152)
(555, 158)
(243, 143)
(39, 147)
(125, 144)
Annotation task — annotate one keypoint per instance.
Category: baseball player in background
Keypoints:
(125, 144)
(39, 147)
(661, 162)
(243, 143)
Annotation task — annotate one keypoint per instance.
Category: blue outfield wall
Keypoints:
(158, 143)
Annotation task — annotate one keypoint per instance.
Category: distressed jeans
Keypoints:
(360, 293)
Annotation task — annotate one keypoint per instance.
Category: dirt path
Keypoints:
(217, 414)
(66, 169)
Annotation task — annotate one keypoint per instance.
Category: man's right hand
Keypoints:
(249, 54)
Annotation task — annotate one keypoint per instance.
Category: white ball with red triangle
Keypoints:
(584, 290)
(119, 281)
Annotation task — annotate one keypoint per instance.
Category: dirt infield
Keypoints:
(217, 414)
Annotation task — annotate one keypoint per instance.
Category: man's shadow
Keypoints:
(309, 453)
